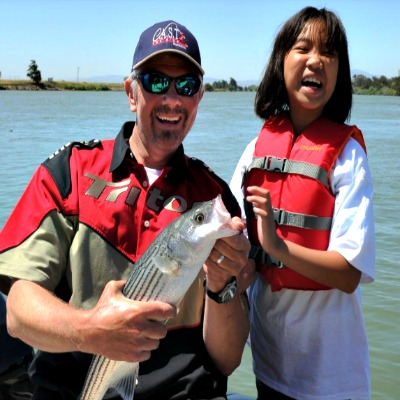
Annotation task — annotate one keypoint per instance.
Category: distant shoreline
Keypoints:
(104, 87)
(80, 86)
(59, 86)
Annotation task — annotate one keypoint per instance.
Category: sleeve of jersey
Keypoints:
(35, 240)
(39, 198)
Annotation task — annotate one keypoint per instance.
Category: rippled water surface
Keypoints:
(35, 124)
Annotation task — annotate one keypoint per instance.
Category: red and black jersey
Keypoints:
(86, 216)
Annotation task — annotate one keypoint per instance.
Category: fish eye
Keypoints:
(199, 217)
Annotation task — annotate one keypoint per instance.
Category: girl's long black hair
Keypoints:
(271, 96)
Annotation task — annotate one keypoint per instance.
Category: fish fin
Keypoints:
(167, 266)
(126, 386)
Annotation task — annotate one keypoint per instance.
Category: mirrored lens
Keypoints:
(154, 82)
(187, 86)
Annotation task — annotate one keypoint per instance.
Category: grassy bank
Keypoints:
(59, 85)
(82, 86)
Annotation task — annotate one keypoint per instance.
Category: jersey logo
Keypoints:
(113, 190)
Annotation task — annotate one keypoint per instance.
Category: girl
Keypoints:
(307, 192)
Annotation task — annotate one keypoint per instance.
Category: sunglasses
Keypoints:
(155, 82)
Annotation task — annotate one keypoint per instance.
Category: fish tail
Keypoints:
(108, 375)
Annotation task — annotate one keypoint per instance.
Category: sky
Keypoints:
(78, 40)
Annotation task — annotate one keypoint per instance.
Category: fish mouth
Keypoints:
(224, 215)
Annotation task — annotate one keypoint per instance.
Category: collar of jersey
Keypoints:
(177, 166)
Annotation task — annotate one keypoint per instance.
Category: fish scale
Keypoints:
(143, 283)
(164, 272)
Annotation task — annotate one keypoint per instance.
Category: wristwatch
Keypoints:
(226, 294)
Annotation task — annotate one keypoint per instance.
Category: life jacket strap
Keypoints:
(283, 217)
(258, 254)
(286, 166)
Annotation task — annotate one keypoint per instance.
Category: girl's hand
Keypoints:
(266, 228)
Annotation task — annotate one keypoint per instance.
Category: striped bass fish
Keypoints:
(164, 272)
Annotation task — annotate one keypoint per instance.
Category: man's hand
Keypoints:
(228, 258)
(117, 327)
(124, 329)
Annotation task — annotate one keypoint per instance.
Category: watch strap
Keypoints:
(226, 294)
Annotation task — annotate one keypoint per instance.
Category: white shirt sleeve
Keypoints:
(353, 230)
(237, 177)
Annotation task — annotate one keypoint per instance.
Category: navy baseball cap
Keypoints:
(167, 37)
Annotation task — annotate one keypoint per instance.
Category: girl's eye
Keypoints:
(301, 47)
(331, 53)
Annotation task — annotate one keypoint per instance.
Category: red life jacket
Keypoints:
(296, 172)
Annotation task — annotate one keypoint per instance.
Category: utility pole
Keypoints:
(77, 74)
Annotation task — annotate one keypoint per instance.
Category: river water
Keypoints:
(35, 124)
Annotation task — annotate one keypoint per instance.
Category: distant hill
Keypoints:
(248, 82)
(360, 72)
(120, 79)
(106, 79)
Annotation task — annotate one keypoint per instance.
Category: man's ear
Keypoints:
(129, 92)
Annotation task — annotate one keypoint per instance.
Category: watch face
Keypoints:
(226, 294)
(229, 292)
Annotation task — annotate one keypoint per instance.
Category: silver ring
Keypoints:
(220, 259)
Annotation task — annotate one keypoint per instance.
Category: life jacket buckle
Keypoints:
(272, 261)
(279, 215)
(274, 164)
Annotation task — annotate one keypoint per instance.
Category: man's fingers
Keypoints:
(158, 310)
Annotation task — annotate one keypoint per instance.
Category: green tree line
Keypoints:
(232, 86)
(376, 86)
(361, 84)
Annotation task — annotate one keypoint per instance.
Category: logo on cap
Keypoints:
(170, 34)
(167, 36)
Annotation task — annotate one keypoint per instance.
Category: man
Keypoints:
(88, 214)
